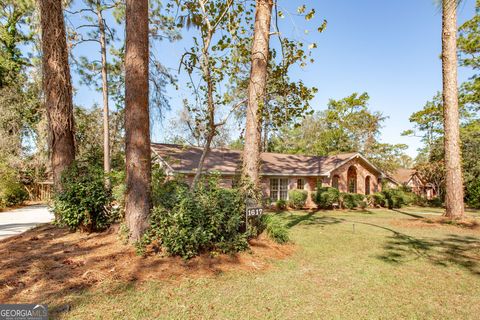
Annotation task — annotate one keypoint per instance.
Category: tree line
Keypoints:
(230, 38)
(234, 71)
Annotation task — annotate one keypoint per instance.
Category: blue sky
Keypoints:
(388, 48)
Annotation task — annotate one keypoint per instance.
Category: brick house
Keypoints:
(349, 172)
(412, 179)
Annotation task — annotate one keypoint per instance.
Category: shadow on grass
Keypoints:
(365, 211)
(463, 251)
(310, 219)
(409, 214)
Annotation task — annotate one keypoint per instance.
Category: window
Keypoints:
(335, 182)
(300, 184)
(352, 179)
(367, 185)
(274, 189)
(284, 189)
(278, 189)
(352, 185)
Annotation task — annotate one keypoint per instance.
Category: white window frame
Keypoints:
(275, 193)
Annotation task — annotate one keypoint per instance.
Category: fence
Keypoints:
(40, 191)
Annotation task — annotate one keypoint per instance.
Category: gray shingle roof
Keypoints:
(185, 159)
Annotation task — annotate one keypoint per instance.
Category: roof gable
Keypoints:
(404, 175)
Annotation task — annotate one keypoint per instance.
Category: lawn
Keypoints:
(374, 264)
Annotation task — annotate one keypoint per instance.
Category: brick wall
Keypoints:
(363, 170)
(310, 183)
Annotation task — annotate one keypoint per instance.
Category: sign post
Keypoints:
(252, 210)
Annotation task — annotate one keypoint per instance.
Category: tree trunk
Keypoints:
(137, 128)
(205, 152)
(206, 70)
(211, 127)
(57, 88)
(453, 159)
(256, 92)
(106, 130)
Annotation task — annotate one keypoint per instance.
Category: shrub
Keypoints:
(359, 197)
(473, 194)
(281, 204)
(379, 199)
(12, 191)
(325, 197)
(351, 200)
(117, 180)
(297, 198)
(276, 230)
(165, 192)
(168, 194)
(435, 202)
(363, 204)
(419, 201)
(396, 198)
(190, 222)
(84, 202)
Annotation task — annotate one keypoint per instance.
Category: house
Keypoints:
(411, 178)
(349, 172)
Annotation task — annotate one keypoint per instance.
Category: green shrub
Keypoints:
(397, 198)
(209, 218)
(379, 199)
(351, 200)
(84, 202)
(362, 204)
(117, 180)
(12, 191)
(297, 198)
(165, 191)
(473, 194)
(435, 202)
(281, 204)
(325, 197)
(276, 230)
(412, 198)
(168, 194)
(419, 201)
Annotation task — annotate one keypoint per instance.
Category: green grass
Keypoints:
(438, 211)
(373, 264)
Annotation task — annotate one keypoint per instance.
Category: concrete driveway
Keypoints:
(20, 220)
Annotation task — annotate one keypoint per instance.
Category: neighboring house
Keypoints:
(412, 179)
(390, 182)
(349, 172)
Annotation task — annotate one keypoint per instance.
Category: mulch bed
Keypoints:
(48, 262)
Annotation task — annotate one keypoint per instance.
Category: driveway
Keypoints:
(20, 220)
